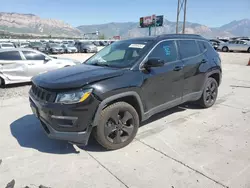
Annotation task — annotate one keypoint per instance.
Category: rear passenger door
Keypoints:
(12, 66)
(242, 46)
(194, 71)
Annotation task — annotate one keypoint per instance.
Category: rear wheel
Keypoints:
(210, 93)
(225, 49)
(248, 50)
(117, 126)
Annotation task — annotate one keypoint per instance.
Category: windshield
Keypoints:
(87, 43)
(120, 54)
(7, 45)
(36, 43)
(24, 43)
(55, 45)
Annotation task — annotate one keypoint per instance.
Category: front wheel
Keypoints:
(209, 94)
(117, 126)
(248, 50)
(225, 49)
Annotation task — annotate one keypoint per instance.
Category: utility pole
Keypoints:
(179, 10)
(184, 20)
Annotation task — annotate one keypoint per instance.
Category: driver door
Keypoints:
(163, 86)
(36, 63)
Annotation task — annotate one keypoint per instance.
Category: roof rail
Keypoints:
(176, 35)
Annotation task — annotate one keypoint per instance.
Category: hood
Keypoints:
(62, 59)
(75, 76)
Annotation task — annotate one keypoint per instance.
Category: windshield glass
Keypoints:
(55, 45)
(7, 45)
(120, 54)
(36, 43)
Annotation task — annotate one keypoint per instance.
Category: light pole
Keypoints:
(184, 20)
(177, 21)
(179, 9)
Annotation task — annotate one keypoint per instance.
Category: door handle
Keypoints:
(178, 68)
(203, 61)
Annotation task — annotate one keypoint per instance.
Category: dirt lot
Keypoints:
(180, 148)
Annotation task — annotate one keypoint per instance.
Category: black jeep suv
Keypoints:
(124, 84)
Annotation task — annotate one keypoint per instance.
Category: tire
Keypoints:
(225, 49)
(209, 94)
(117, 126)
(2, 83)
(248, 50)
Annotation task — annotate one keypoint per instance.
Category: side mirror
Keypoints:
(153, 62)
(46, 59)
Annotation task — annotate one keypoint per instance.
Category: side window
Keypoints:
(202, 46)
(208, 47)
(11, 55)
(166, 51)
(33, 55)
(188, 48)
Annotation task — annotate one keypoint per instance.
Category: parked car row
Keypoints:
(21, 64)
(235, 44)
(56, 47)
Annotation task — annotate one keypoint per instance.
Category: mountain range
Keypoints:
(32, 24)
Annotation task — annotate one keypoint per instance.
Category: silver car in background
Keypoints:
(6, 45)
(54, 48)
(235, 45)
(21, 64)
(69, 48)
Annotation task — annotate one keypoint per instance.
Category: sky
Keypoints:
(213, 13)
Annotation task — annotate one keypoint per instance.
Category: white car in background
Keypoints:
(6, 46)
(21, 64)
(235, 45)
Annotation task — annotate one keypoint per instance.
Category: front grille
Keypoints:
(43, 94)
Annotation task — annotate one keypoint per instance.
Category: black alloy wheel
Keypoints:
(117, 126)
(210, 93)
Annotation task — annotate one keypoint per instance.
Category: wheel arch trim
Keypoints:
(216, 71)
(113, 98)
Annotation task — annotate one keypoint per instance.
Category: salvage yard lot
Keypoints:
(183, 147)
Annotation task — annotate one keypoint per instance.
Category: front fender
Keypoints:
(114, 98)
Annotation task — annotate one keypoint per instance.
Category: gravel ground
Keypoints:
(22, 89)
(15, 90)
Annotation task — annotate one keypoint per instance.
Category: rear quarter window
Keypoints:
(188, 48)
(11, 55)
(206, 46)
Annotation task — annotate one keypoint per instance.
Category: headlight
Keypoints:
(73, 96)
